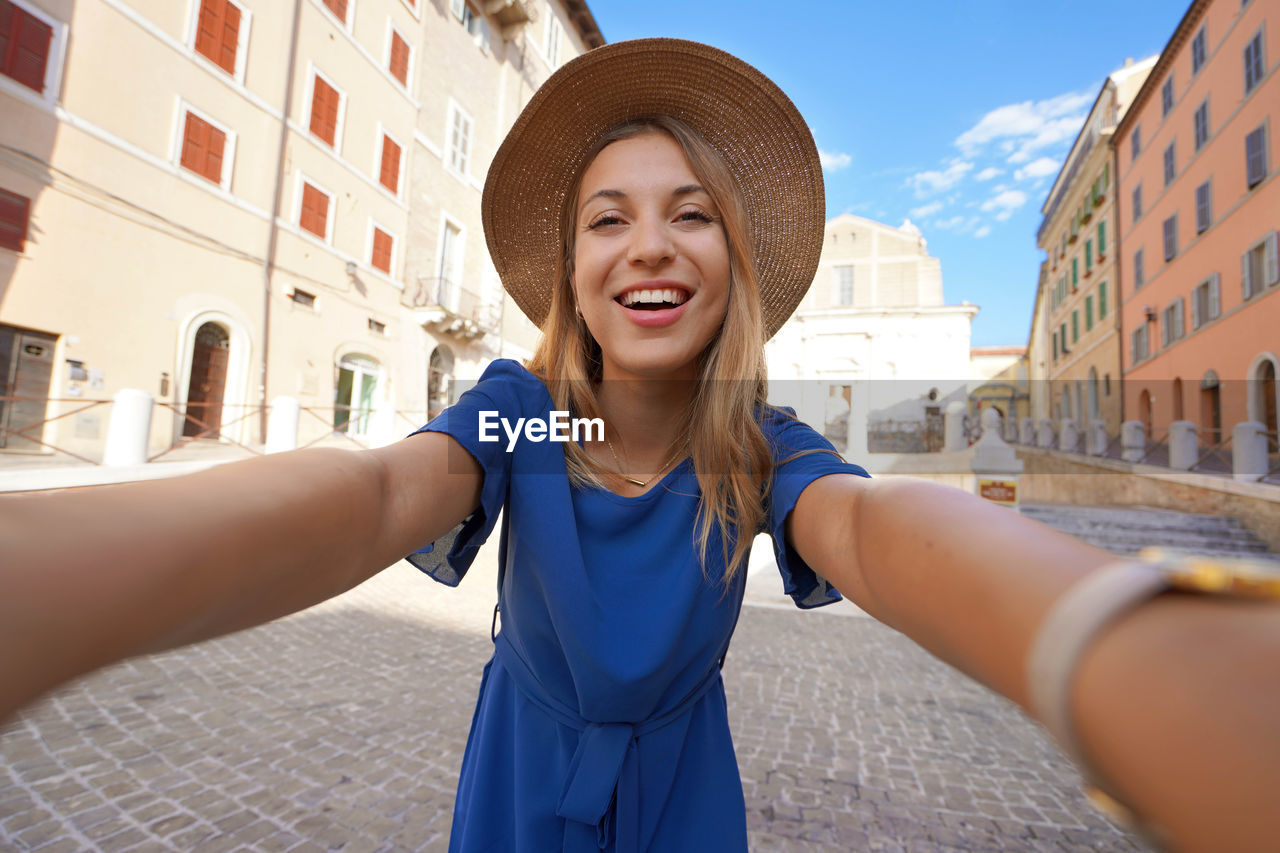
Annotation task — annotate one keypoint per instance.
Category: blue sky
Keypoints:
(957, 115)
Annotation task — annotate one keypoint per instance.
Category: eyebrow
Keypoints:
(687, 189)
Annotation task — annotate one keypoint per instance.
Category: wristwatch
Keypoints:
(1096, 601)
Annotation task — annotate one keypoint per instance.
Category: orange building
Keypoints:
(1199, 207)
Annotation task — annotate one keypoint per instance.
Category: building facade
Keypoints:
(1199, 211)
(224, 201)
(1080, 376)
(873, 352)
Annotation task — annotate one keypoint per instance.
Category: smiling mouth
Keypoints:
(653, 300)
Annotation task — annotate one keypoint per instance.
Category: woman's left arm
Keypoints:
(1175, 704)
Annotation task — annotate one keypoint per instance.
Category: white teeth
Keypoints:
(670, 295)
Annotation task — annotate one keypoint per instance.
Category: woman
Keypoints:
(658, 209)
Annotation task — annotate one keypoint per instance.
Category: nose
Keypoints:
(651, 244)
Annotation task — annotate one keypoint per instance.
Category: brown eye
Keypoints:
(604, 220)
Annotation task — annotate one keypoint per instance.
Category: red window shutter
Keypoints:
(337, 7)
(382, 250)
(202, 148)
(14, 212)
(24, 46)
(324, 111)
(390, 176)
(399, 59)
(218, 33)
(315, 211)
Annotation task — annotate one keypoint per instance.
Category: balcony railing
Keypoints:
(443, 305)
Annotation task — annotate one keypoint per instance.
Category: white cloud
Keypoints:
(1037, 169)
(1006, 203)
(982, 232)
(988, 173)
(925, 210)
(1028, 119)
(951, 224)
(834, 161)
(933, 181)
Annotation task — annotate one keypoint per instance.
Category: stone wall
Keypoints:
(1053, 477)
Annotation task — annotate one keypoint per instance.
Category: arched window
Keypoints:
(1262, 398)
(439, 380)
(356, 394)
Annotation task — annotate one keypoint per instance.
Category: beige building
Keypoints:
(224, 201)
(873, 352)
(1077, 375)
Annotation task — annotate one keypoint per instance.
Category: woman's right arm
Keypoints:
(96, 575)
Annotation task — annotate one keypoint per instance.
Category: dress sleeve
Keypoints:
(501, 392)
(801, 455)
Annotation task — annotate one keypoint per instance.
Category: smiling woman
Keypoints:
(657, 208)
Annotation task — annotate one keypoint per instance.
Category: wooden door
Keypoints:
(208, 381)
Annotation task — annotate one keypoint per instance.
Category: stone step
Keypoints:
(1126, 530)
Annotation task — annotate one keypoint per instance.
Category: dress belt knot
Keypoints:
(601, 793)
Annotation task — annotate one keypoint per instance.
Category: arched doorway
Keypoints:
(1144, 411)
(355, 395)
(1211, 407)
(1177, 399)
(1095, 407)
(1066, 401)
(1264, 392)
(208, 383)
(439, 380)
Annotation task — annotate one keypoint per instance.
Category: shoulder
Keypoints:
(510, 382)
(786, 433)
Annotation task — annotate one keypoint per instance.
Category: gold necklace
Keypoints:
(633, 480)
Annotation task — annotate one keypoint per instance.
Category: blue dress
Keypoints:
(601, 721)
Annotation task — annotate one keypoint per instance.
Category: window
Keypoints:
(1055, 344)
(1171, 237)
(843, 286)
(1135, 141)
(314, 213)
(24, 46)
(1204, 211)
(303, 298)
(1139, 277)
(1138, 344)
(398, 61)
(219, 33)
(1102, 239)
(1197, 51)
(1075, 326)
(1088, 256)
(459, 136)
(1166, 96)
(1171, 325)
(1201, 124)
(1088, 313)
(1170, 163)
(1255, 156)
(472, 22)
(382, 249)
(1254, 64)
(450, 268)
(338, 8)
(204, 148)
(15, 210)
(1258, 266)
(1205, 302)
(377, 327)
(1102, 300)
(1137, 202)
(554, 31)
(326, 110)
(389, 167)
(1075, 272)
(1062, 335)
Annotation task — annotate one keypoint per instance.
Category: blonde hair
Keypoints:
(731, 457)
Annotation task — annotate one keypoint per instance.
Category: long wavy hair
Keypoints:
(731, 457)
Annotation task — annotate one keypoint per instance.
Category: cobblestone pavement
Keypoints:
(342, 728)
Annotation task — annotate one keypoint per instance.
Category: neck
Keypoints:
(643, 417)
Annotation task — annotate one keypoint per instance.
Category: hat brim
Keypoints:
(739, 111)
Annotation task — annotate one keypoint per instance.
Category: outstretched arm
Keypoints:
(193, 557)
(1175, 703)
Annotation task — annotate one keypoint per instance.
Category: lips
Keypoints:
(654, 304)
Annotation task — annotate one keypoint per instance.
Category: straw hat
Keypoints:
(738, 110)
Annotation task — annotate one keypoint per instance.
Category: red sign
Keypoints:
(1000, 491)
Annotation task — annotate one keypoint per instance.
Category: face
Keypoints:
(651, 264)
